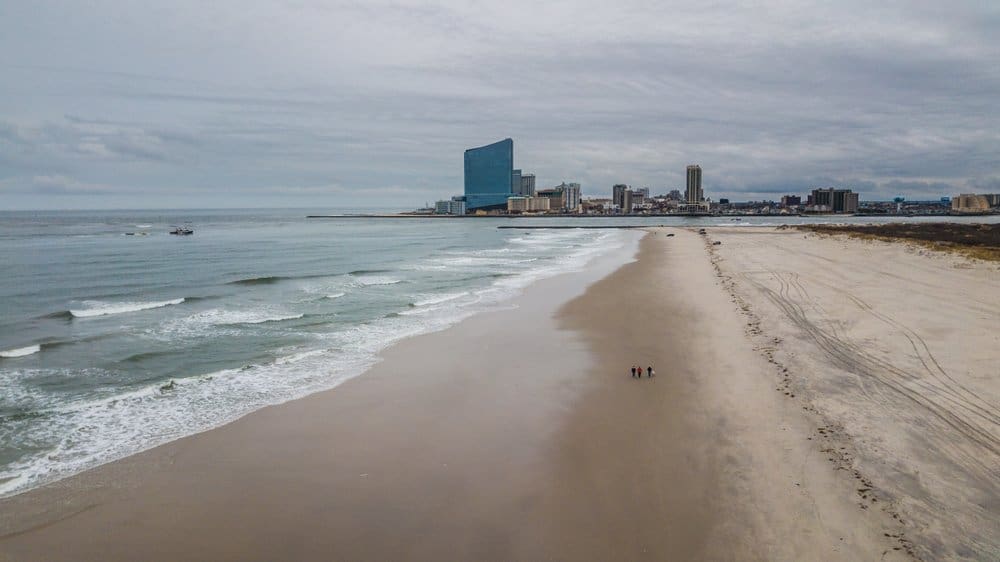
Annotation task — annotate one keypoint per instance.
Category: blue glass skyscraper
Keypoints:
(488, 174)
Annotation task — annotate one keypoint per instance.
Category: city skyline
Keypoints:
(196, 106)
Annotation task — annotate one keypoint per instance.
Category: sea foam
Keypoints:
(103, 309)
(21, 351)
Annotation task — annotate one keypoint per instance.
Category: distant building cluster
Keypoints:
(492, 186)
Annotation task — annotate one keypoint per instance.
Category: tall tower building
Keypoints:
(694, 193)
(489, 173)
(528, 185)
(618, 195)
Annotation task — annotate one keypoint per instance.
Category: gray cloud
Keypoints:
(361, 103)
(53, 185)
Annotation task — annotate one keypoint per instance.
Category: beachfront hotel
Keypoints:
(489, 175)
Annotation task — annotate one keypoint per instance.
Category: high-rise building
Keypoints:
(515, 181)
(571, 195)
(618, 195)
(527, 185)
(834, 200)
(489, 174)
(790, 200)
(694, 193)
(627, 201)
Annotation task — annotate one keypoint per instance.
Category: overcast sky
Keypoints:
(248, 104)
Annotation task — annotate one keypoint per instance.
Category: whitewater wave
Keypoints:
(439, 299)
(377, 280)
(221, 317)
(296, 357)
(334, 295)
(274, 319)
(479, 261)
(21, 351)
(103, 309)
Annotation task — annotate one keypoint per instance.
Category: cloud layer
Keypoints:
(112, 104)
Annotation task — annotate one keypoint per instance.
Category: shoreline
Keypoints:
(131, 483)
(328, 379)
(548, 450)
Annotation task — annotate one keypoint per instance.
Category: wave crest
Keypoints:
(104, 309)
(21, 351)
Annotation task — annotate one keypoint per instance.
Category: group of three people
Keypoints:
(637, 371)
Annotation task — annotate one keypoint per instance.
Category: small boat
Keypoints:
(181, 231)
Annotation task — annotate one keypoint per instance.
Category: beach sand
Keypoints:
(896, 348)
(519, 435)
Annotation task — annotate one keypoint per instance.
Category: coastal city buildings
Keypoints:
(520, 204)
(489, 172)
(565, 197)
(493, 186)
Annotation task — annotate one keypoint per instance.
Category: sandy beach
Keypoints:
(814, 399)
(895, 348)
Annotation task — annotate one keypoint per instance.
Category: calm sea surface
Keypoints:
(112, 343)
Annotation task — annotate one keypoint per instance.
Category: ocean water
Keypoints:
(113, 343)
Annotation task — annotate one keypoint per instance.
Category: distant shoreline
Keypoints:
(943, 216)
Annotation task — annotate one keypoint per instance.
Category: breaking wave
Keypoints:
(104, 309)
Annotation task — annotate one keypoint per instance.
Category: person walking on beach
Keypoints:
(633, 371)
(649, 371)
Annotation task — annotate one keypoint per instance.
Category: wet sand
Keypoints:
(514, 435)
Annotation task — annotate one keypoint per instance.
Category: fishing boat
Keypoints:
(181, 231)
